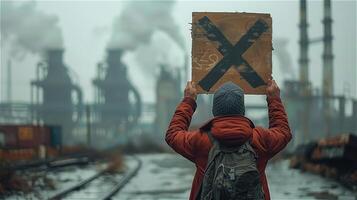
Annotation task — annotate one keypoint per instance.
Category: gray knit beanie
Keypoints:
(228, 100)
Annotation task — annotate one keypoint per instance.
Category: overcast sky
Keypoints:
(87, 27)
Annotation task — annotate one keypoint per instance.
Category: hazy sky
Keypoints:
(87, 27)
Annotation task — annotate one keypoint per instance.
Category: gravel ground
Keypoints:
(169, 176)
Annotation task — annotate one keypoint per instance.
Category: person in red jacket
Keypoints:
(229, 127)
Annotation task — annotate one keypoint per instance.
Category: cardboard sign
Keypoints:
(233, 47)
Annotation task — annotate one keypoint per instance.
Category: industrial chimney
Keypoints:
(327, 79)
(113, 89)
(304, 84)
(327, 83)
(304, 44)
(56, 107)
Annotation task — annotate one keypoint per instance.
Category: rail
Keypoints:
(113, 191)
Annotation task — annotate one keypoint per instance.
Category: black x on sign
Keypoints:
(231, 54)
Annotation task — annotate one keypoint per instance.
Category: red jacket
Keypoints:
(230, 130)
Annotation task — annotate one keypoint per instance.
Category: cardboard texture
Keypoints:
(233, 47)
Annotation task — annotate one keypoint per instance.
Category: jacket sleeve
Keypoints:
(278, 135)
(177, 136)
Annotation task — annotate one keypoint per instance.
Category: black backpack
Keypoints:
(231, 174)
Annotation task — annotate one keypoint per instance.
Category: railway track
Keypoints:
(48, 164)
(101, 185)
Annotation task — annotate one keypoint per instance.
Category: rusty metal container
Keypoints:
(333, 157)
(19, 154)
(33, 136)
(24, 136)
(8, 136)
(339, 147)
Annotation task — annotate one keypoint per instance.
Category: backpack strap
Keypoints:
(215, 149)
(213, 141)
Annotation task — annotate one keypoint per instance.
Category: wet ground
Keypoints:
(169, 176)
(162, 176)
(60, 179)
(286, 183)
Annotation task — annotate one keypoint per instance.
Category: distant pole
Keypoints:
(2, 83)
(31, 103)
(9, 87)
(9, 82)
(327, 79)
(88, 125)
(37, 94)
(187, 69)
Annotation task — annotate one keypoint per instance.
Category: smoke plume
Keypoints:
(284, 57)
(28, 29)
(139, 20)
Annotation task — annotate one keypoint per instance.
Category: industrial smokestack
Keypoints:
(114, 57)
(327, 79)
(57, 72)
(304, 43)
(55, 57)
(113, 86)
(327, 84)
(57, 105)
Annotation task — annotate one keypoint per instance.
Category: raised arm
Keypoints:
(177, 136)
(278, 135)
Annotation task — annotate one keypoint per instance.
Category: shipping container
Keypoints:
(18, 154)
(333, 157)
(25, 133)
(33, 136)
(27, 142)
(8, 136)
(56, 136)
(24, 136)
(340, 140)
(338, 147)
(45, 135)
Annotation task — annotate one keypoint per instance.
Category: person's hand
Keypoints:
(272, 89)
(190, 90)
